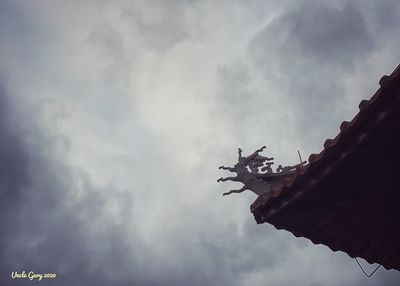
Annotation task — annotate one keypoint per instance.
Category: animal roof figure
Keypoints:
(255, 172)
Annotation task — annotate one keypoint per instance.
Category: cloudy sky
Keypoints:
(114, 116)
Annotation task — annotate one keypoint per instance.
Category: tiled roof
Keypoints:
(344, 170)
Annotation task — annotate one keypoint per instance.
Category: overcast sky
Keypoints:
(114, 116)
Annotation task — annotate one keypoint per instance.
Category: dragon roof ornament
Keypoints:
(256, 174)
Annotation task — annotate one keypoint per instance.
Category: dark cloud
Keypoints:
(108, 45)
(55, 219)
(160, 25)
(314, 35)
(387, 278)
(308, 51)
(382, 17)
(40, 230)
(48, 227)
(306, 56)
(296, 76)
(13, 176)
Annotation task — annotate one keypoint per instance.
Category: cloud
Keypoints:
(318, 34)
(114, 123)
(159, 25)
(309, 50)
(45, 229)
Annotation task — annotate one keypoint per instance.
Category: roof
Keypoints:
(347, 197)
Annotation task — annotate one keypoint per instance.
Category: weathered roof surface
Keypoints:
(348, 196)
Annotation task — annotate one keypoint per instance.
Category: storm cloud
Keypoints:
(114, 117)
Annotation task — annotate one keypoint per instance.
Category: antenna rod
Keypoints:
(301, 161)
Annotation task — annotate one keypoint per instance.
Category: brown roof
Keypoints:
(348, 196)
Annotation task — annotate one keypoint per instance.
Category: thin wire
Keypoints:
(364, 270)
(383, 261)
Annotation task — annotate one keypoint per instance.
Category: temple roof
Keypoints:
(348, 196)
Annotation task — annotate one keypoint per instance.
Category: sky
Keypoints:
(115, 115)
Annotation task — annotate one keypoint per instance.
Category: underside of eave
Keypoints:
(386, 99)
(366, 147)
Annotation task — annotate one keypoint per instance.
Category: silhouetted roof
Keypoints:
(348, 196)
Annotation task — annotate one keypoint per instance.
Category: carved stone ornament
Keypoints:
(256, 174)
